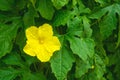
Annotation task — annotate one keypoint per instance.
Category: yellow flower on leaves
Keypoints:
(41, 42)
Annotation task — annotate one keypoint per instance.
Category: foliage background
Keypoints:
(89, 32)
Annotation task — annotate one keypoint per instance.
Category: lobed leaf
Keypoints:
(82, 68)
(106, 28)
(84, 48)
(61, 17)
(59, 3)
(61, 63)
(7, 34)
(8, 74)
(46, 9)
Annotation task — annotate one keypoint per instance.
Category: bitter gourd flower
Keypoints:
(41, 42)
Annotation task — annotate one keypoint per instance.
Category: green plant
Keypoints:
(88, 30)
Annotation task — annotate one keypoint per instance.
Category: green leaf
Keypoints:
(61, 17)
(19, 5)
(106, 28)
(82, 68)
(46, 9)
(29, 59)
(29, 16)
(6, 5)
(102, 2)
(98, 14)
(8, 73)
(74, 27)
(59, 3)
(7, 34)
(33, 76)
(6, 45)
(82, 8)
(84, 48)
(21, 39)
(96, 72)
(13, 59)
(99, 67)
(61, 63)
(118, 41)
(87, 29)
(33, 2)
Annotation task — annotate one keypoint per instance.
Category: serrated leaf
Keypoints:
(98, 14)
(97, 72)
(74, 23)
(8, 73)
(102, 2)
(82, 8)
(87, 29)
(84, 48)
(59, 3)
(82, 68)
(74, 27)
(29, 16)
(13, 59)
(7, 34)
(99, 67)
(105, 28)
(46, 9)
(61, 63)
(6, 45)
(61, 17)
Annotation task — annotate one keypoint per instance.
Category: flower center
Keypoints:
(41, 40)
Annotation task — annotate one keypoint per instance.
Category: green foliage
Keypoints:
(6, 5)
(8, 74)
(61, 17)
(46, 9)
(110, 11)
(58, 63)
(84, 48)
(89, 32)
(7, 34)
(59, 3)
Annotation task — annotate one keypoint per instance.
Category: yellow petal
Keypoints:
(41, 42)
(28, 50)
(45, 31)
(53, 44)
(34, 43)
(32, 33)
(43, 55)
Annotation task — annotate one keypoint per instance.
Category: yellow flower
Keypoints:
(41, 42)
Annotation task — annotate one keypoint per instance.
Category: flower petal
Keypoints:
(43, 55)
(45, 31)
(41, 42)
(32, 33)
(53, 44)
(28, 50)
